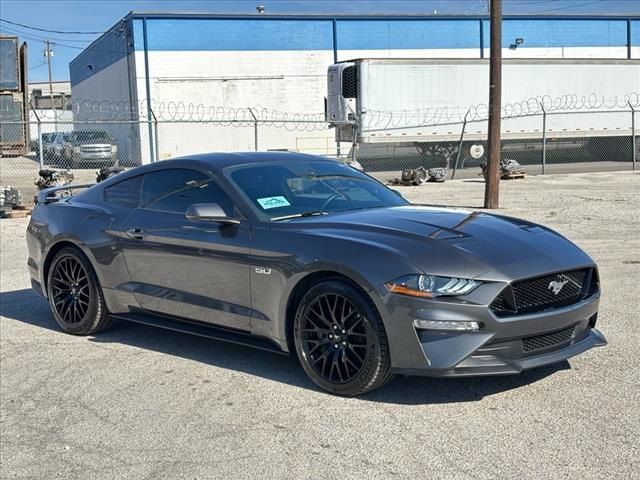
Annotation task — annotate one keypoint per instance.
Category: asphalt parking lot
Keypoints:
(136, 402)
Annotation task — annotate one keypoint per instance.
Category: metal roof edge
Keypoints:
(365, 16)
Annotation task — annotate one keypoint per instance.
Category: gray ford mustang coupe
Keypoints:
(299, 253)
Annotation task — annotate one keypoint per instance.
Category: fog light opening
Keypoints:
(447, 325)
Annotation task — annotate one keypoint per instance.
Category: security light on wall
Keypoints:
(260, 9)
(517, 42)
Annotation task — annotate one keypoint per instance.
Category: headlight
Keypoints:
(76, 149)
(430, 286)
(114, 149)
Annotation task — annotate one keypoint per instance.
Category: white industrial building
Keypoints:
(205, 66)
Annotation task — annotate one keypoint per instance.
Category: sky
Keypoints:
(99, 15)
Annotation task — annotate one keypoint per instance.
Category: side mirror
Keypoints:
(209, 212)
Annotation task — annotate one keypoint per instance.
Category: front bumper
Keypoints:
(480, 365)
(501, 346)
(93, 156)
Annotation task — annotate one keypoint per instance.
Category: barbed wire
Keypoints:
(178, 111)
(451, 115)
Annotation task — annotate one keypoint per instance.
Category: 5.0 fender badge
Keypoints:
(263, 270)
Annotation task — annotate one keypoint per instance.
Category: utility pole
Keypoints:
(492, 182)
(48, 53)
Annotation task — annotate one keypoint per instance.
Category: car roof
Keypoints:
(218, 161)
(214, 162)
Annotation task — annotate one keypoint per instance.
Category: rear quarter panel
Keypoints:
(81, 224)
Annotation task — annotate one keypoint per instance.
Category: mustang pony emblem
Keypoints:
(557, 285)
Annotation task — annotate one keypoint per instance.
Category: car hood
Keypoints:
(454, 242)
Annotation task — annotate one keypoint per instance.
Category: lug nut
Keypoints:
(330, 336)
(344, 344)
(344, 331)
(335, 346)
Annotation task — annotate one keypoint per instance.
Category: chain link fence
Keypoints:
(543, 142)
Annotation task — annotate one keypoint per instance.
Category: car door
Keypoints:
(196, 270)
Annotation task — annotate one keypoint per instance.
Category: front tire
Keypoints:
(74, 294)
(340, 339)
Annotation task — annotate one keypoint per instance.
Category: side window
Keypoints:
(173, 190)
(124, 194)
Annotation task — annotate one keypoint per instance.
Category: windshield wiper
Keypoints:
(299, 215)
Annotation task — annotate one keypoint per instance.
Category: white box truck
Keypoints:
(423, 102)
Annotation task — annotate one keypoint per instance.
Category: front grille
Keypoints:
(547, 292)
(95, 148)
(548, 340)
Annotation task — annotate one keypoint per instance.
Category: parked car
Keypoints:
(300, 254)
(47, 139)
(56, 150)
(88, 148)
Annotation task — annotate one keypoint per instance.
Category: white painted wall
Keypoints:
(291, 82)
(411, 53)
(563, 52)
(63, 117)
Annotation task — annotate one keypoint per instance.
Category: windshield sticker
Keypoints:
(273, 202)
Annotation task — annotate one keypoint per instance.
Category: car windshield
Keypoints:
(290, 189)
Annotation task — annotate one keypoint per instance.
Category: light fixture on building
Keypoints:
(516, 43)
(260, 9)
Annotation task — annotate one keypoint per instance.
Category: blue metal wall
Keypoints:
(224, 35)
(407, 34)
(200, 33)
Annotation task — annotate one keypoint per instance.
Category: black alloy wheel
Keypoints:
(74, 294)
(70, 287)
(340, 339)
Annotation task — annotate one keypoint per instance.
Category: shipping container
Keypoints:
(9, 64)
(14, 126)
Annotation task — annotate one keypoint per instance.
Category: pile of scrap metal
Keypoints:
(509, 168)
(53, 178)
(10, 199)
(107, 172)
(420, 176)
(49, 178)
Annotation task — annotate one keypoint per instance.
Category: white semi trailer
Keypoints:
(424, 102)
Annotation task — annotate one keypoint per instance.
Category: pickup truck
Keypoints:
(88, 148)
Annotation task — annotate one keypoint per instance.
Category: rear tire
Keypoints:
(74, 294)
(340, 339)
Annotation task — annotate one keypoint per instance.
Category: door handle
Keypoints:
(136, 233)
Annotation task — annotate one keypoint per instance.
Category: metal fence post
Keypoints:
(156, 154)
(634, 146)
(354, 145)
(464, 126)
(40, 148)
(544, 137)
(255, 129)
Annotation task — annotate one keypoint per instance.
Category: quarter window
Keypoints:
(173, 190)
(124, 194)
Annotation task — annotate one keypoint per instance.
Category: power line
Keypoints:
(567, 7)
(56, 43)
(34, 36)
(50, 31)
